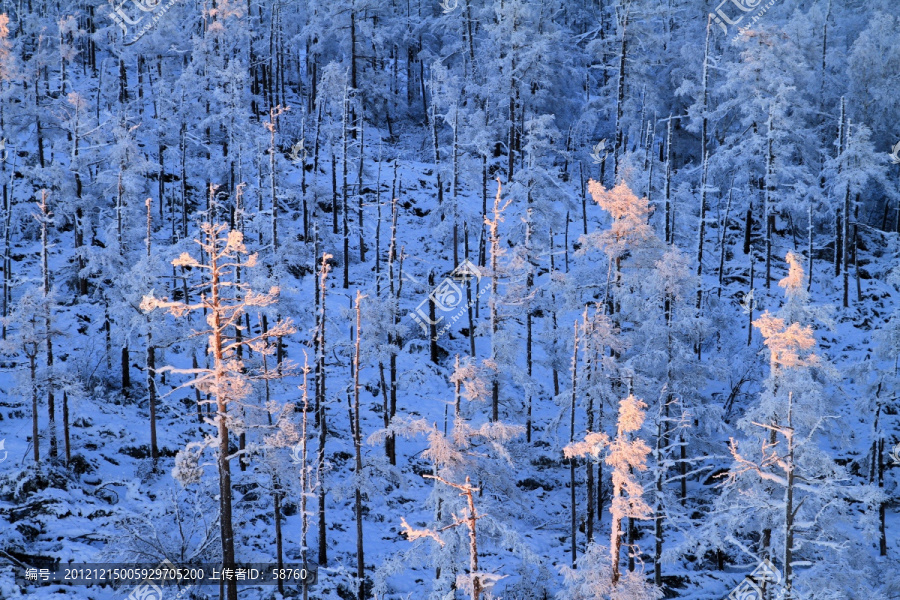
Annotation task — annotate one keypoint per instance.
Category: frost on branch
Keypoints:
(592, 445)
(185, 260)
(786, 344)
(592, 580)
(631, 415)
(629, 219)
(187, 469)
(625, 456)
(793, 283)
(472, 379)
(235, 242)
(486, 581)
(416, 534)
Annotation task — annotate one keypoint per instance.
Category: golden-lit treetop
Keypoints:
(629, 214)
(787, 345)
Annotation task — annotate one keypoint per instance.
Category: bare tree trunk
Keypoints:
(197, 396)
(120, 207)
(789, 503)
(590, 353)
(493, 226)
(765, 547)
(344, 202)
(553, 321)
(670, 222)
(724, 237)
(583, 198)
(750, 303)
(432, 322)
(31, 351)
(437, 158)
(571, 441)
(632, 533)
(845, 237)
(455, 186)
(151, 354)
(359, 190)
(882, 537)
(272, 126)
(473, 541)
(45, 273)
(357, 445)
(897, 215)
(470, 521)
(769, 191)
(704, 153)
(334, 193)
(78, 227)
(809, 265)
(378, 227)
(393, 338)
(7, 247)
(682, 467)
(701, 234)
(529, 284)
(615, 545)
(511, 134)
(183, 153)
(856, 249)
(279, 535)
(320, 402)
(126, 371)
(837, 220)
(658, 509)
(470, 311)
(304, 474)
(223, 463)
(151, 386)
(620, 93)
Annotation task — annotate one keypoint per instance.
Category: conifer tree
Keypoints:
(225, 304)
(626, 454)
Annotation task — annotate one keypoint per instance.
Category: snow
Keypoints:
(675, 360)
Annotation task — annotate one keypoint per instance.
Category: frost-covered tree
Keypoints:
(785, 484)
(26, 337)
(626, 454)
(467, 452)
(224, 304)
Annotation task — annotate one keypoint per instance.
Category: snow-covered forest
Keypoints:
(452, 299)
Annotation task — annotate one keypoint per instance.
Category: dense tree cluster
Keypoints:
(443, 297)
